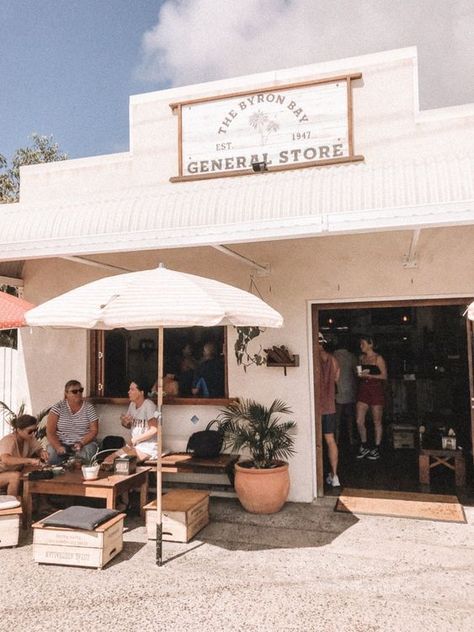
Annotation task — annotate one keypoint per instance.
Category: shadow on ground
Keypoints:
(297, 525)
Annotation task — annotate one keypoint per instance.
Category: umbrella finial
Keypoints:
(161, 265)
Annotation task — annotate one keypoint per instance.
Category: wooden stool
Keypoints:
(184, 513)
(9, 526)
(78, 547)
(429, 459)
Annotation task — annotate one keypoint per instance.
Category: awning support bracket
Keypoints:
(261, 269)
(410, 260)
(95, 264)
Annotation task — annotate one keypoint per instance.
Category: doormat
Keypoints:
(401, 505)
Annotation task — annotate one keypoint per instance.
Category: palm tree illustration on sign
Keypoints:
(263, 124)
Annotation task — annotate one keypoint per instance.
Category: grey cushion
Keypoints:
(77, 517)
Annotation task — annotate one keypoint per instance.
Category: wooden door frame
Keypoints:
(470, 362)
(316, 307)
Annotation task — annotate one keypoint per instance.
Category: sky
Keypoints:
(68, 67)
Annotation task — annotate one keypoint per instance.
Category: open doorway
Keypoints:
(425, 348)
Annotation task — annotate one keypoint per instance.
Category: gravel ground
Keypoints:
(306, 568)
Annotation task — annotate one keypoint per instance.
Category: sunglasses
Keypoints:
(76, 390)
(31, 431)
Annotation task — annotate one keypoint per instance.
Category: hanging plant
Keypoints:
(244, 336)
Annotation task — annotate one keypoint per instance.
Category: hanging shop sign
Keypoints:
(286, 127)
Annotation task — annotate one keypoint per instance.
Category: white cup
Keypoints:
(359, 369)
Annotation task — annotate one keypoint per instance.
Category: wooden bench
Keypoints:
(429, 459)
(184, 463)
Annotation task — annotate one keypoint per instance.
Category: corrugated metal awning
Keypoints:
(301, 203)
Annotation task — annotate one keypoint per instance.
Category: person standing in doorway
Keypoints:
(328, 377)
(372, 373)
(346, 391)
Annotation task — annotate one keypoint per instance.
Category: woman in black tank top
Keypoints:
(372, 376)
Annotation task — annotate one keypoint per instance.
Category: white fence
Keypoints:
(9, 359)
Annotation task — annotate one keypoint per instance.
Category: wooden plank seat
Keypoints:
(182, 462)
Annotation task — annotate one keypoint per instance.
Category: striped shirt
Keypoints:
(72, 427)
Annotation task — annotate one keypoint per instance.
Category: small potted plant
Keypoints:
(262, 482)
(90, 469)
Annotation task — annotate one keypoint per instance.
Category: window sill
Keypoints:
(170, 401)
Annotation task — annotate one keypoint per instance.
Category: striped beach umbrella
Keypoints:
(150, 299)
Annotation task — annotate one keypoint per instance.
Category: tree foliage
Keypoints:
(42, 149)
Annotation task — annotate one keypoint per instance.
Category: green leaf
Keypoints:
(248, 425)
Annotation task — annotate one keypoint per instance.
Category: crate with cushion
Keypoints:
(72, 546)
(184, 513)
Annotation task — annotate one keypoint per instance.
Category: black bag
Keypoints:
(39, 475)
(112, 442)
(206, 444)
(109, 444)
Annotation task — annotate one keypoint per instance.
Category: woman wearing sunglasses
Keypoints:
(17, 449)
(72, 426)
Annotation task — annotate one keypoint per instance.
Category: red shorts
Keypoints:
(371, 393)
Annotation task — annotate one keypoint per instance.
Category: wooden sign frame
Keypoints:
(177, 109)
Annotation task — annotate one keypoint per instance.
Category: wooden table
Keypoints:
(107, 486)
(429, 459)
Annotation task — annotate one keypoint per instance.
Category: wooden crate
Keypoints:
(10, 526)
(403, 436)
(78, 547)
(185, 512)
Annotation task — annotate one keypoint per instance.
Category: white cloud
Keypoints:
(202, 40)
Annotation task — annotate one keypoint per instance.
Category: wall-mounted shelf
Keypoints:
(285, 365)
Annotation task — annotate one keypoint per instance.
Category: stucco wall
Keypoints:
(388, 129)
(342, 268)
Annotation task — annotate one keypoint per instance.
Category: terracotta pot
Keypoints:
(262, 491)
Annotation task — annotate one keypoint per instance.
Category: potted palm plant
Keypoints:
(262, 482)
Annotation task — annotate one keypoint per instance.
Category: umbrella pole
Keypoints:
(159, 448)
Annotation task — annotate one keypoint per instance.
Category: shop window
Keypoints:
(194, 362)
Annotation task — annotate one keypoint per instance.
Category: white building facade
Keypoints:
(385, 217)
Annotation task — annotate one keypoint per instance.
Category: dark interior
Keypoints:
(425, 349)
(133, 354)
